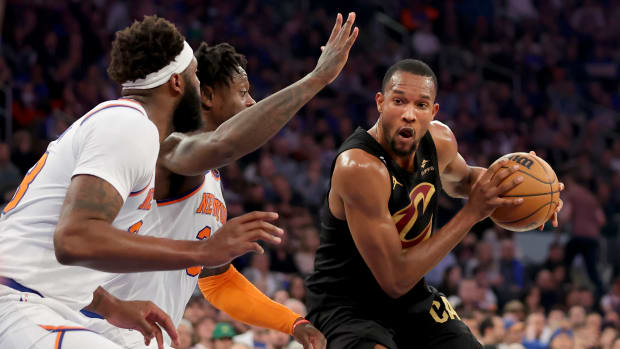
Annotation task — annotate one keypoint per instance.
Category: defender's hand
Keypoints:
(239, 236)
(308, 336)
(484, 196)
(143, 316)
(336, 51)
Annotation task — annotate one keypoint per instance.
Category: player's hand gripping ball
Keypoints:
(540, 191)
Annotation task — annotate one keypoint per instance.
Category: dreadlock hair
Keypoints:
(143, 48)
(217, 64)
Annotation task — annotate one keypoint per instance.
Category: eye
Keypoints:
(398, 101)
(422, 105)
(243, 93)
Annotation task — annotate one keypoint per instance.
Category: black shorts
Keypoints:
(438, 326)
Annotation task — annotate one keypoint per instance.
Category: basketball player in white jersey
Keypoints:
(192, 207)
(75, 204)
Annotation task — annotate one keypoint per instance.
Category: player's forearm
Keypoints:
(224, 291)
(103, 247)
(420, 259)
(245, 132)
(462, 188)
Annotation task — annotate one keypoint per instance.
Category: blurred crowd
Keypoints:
(514, 75)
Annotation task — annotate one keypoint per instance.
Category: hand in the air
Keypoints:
(336, 51)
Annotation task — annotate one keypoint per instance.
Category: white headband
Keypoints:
(160, 77)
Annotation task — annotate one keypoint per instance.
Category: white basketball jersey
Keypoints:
(115, 141)
(193, 216)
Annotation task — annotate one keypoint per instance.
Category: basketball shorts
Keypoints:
(129, 339)
(436, 325)
(28, 320)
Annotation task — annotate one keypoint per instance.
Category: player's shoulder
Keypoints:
(444, 139)
(440, 132)
(120, 114)
(358, 160)
(116, 107)
(355, 166)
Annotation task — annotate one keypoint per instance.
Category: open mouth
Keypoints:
(406, 132)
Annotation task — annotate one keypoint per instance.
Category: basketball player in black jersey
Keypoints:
(377, 239)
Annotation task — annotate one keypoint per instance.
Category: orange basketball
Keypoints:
(540, 191)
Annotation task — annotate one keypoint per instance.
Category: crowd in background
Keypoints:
(514, 75)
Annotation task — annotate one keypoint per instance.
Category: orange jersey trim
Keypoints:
(131, 101)
(115, 105)
(184, 197)
(134, 193)
(63, 328)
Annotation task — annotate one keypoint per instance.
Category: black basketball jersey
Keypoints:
(341, 277)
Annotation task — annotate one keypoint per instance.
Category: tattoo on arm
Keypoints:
(96, 198)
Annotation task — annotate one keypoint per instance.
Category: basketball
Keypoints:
(540, 191)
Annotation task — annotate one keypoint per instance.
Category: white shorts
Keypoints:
(129, 339)
(28, 320)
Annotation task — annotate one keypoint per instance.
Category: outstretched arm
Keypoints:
(252, 127)
(375, 235)
(85, 235)
(224, 286)
(457, 177)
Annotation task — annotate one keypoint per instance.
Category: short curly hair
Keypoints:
(144, 48)
(217, 64)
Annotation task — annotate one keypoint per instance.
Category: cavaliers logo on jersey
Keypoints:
(415, 221)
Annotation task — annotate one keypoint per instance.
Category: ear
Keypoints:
(176, 83)
(435, 110)
(207, 95)
(379, 98)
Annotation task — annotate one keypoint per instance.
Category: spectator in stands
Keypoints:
(492, 332)
(586, 217)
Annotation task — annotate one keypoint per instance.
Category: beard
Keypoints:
(399, 151)
(403, 152)
(186, 116)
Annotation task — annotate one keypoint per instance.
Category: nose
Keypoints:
(250, 101)
(409, 114)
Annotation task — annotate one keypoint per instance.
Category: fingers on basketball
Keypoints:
(539, 190)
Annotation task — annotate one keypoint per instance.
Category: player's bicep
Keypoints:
(194, 155)
(453, 176)
(453, 169)
(90, 197)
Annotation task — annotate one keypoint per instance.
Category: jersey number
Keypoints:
(23, 186)
(202, 234)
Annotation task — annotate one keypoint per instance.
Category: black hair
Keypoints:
(218, 64)
(485, 324)
(144, 48)
(413, 66)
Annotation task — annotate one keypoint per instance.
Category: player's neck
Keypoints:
(158, 112)
(209, 125)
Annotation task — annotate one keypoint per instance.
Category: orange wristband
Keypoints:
(302, 321)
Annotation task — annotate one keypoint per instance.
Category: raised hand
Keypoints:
(308, 336)
(484, 196)
(336, 51)
(239, 236)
